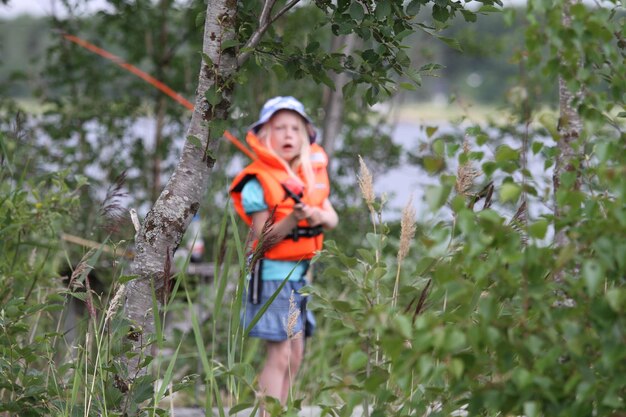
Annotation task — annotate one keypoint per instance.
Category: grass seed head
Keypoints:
(292, 318)
(407, 229)
(115, 302)
(466, 173)
(366, 183)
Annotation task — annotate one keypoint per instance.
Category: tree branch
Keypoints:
(264, 23)
(265, 13)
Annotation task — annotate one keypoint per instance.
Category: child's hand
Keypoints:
(300, 211)
(314, 215)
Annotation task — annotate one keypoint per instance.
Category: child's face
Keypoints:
(287, 134)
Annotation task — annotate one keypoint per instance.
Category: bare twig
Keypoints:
(265, 22)
(135, 219)
(96, 245)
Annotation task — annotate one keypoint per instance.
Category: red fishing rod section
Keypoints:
(152, 81)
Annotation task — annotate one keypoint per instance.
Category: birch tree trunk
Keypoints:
(165, 224)
(334, 103)
(570, 128)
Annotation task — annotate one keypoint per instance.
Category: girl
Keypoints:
(286, 226)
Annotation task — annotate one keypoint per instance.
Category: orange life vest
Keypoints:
(270, 173)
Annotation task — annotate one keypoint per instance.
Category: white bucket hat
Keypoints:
(275, 104)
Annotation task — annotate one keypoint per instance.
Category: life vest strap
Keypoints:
(299, 232)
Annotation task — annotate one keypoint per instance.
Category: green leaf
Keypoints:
(490, 215)
(195, 142)
(366, 255)
(349, 89)
(213, 96)
(616, 297)
(436, 196)
(357, 361)
(78, 295)
(509, 192)
(324, 78)
(549, 122)
(229, 43)
(408, 86)
(536, 147)
(465, 221)
(142, 389)
(414, 75)
(239, 407)
(489, 9)
(452, 43)
(481, 139)
(433, 164)
(457, 367)
(413, 7)
(373, 383)
(356, 11)
(400, 36)
(200, 18)
(593, 275)
(280, 72)
(383, 9)
(430, 130)
(167, 377)
(244, 371)
(458, 203)
(538, 229)
(505, 153)
(439, 147)
(312, 47)
(403, 325)
(431, 67)
(423, 265)
(207, 59)
(468, 16)
(604, 151)
(342, 306)
(613, 400)
(440, 13)
(127, 278)
(376, 241)
(568, 179)
(522, 378)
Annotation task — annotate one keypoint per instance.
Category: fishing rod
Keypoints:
(152, 81)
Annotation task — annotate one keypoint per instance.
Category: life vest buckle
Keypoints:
(298, 232)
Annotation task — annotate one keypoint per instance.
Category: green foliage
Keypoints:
(31, 213)
(479, 323)
(588, 53)
(46, 369)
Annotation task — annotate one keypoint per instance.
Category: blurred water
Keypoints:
(399, 183)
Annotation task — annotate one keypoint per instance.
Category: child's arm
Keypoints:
(326, 216)
(276, 231)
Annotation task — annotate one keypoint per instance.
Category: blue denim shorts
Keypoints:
(273, 323)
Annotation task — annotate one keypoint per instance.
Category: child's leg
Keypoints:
(282, 364)
(273, 374)
(295, 360)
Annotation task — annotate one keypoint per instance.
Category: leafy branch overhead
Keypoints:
(383, 27)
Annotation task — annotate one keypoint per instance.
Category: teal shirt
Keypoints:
(253, 200)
